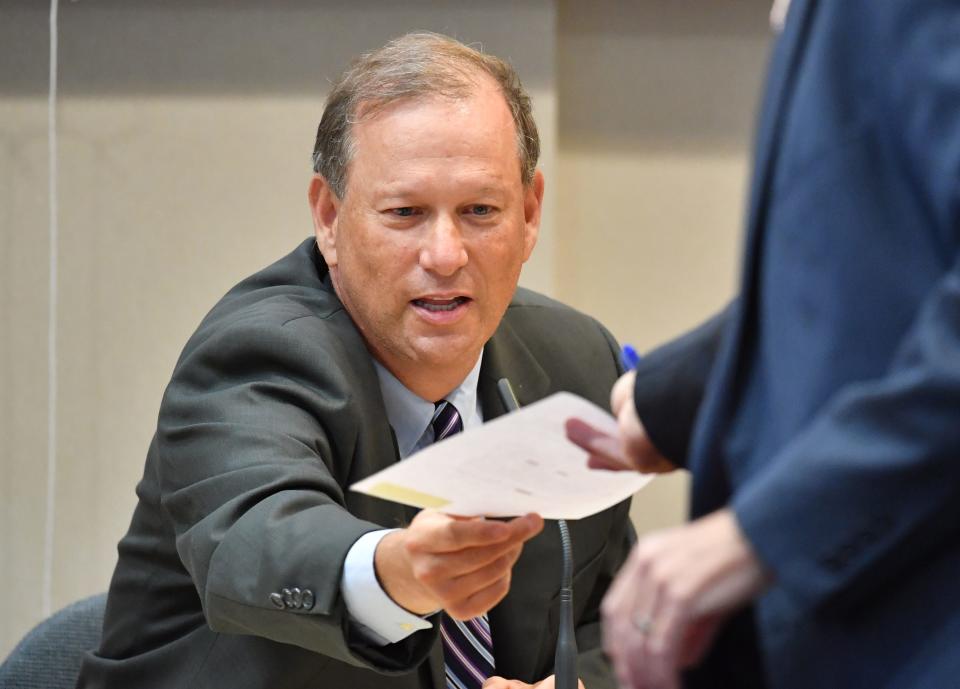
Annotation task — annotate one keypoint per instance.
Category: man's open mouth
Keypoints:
(440, 304)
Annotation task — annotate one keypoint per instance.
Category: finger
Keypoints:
(458, 588)
(441, 533)
(457, 534)
(657, 465)
(445, 532)
(670, 616)
(636, 445)
(602, 463)
(605, 464)
(618, 628)
(622, 391)
(637, 604)
(523, 528)
(605, 449)
(480, 601)
(496, 682)
(529, 525)
(582, 433)
(432, 568)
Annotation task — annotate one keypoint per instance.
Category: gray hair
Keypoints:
(412, 66)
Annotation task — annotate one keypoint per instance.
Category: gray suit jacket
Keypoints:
(274, 408)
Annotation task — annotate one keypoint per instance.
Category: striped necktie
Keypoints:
(467, 645)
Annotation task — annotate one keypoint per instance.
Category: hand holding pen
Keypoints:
(632, 448)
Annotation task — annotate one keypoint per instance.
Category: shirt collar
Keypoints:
(778, 14)
(410, 415)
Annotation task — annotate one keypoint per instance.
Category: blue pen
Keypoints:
(629, 357)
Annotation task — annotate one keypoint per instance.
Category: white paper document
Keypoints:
(515, 464)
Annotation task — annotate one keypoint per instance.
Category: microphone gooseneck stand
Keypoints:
(565, 660)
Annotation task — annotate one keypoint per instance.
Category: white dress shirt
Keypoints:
(380, 619)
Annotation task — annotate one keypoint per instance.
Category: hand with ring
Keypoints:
(671, 596)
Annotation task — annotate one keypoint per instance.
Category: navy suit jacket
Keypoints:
(830, 419)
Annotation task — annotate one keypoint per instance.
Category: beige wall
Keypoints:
(185, 133)
(656, 103)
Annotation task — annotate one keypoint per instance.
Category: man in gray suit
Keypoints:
(248, 563)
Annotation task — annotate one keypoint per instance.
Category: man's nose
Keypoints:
(443, 251)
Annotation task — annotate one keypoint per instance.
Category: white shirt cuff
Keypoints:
(380, 620)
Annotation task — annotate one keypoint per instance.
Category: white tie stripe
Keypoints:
(471, 632)
(454, 682)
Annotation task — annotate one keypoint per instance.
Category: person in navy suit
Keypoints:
(819, 415)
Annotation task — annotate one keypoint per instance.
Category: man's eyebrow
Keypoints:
(404, 190)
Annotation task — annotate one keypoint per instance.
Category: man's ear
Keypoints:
(325, 209)
(532, 208)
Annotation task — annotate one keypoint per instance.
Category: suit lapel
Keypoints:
(776, 99)
(730, 358)
(507, 356)
(375, 447)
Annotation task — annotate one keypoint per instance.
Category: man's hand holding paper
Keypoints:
(461, 565)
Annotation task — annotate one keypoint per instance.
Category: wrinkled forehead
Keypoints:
(478, 125)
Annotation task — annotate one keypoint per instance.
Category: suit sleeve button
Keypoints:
(277, 600)
(297, 597)
(308, 599)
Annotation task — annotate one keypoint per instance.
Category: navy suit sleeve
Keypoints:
(670, 384)
(871, 487)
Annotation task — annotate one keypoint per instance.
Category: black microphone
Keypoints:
(565, 660)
